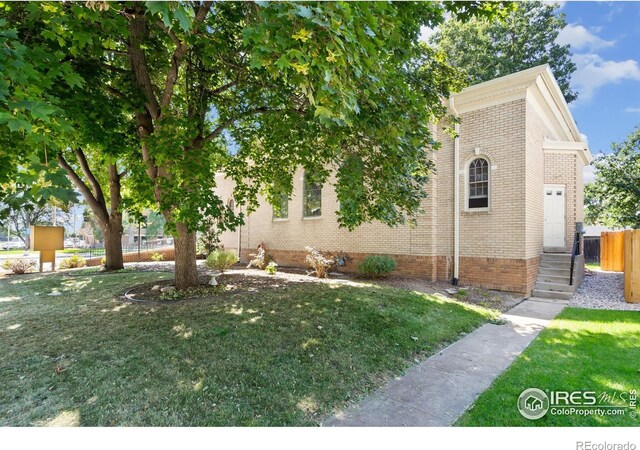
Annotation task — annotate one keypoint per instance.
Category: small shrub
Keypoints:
(271, 268)
(461, 294)
(208, 240)
(260, 259)
(73, 262)
(19, 266)
(103, 261)
(221, 259)
(376, 265)
(321, 263)
(157, 257)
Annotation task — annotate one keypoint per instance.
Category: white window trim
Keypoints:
(304, 196)
(466, 184)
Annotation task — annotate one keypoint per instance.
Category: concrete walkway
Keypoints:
(439, 390)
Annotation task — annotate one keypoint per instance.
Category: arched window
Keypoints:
(478, 184)
(231, 205)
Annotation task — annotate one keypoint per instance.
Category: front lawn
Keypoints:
(593, 266)
(582, 349)
(288, 354)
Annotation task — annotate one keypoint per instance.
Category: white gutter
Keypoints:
(456, 196)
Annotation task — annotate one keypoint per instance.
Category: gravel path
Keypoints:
(603, 290)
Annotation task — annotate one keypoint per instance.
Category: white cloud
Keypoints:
(426, 33)
(594, 72)
(632, 110)
(584, 138)
(588, 173)
(579, 38)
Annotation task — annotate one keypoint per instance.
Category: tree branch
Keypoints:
(224, 87)
(138, 59)
(98, 209)
(262, 110)
(114, 91)
(178, 55)
(84, 165)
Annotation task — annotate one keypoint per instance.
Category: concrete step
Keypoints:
(556, 264)
(553, 278)
(552, 294)
(554, 271)
(554, 250)
(555, 257)
(557, 287)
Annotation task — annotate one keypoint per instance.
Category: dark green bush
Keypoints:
(377, 265)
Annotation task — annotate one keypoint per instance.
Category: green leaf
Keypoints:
(303, 11)
(183, 17)
(17, 124)
(322, 111)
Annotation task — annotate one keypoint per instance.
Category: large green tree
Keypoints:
(613, 198)
(487, 49)
(254, 90)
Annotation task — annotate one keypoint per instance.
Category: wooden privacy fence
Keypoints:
(632, 266)
(612, 251)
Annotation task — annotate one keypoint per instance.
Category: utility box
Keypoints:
(47, 240)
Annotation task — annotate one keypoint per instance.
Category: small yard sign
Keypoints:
(47, 240)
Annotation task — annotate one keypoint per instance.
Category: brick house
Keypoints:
(516, 168)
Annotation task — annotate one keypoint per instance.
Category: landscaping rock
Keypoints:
(166, 289)
(156, 287)
(603, 290)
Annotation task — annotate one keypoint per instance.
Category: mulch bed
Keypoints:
(229, 286)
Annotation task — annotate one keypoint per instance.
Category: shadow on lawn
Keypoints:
(582, 350)
(272, 357)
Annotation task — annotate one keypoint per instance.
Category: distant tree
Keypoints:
(487, 49)
(154, 225)
(613, 199)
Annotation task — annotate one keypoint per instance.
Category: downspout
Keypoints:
(456, 196)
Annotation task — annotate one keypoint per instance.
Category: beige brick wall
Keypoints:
(297, 232)
(499, 232)
(510, 136)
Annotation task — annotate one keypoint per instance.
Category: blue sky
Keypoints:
(605, 42)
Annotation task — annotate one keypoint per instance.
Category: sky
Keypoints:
(604, 38)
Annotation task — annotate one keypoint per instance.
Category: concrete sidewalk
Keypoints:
(439, 390)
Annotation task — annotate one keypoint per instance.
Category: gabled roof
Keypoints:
(539, 86)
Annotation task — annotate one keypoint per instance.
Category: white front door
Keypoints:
(554, 215)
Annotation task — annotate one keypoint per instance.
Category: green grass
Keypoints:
(593, 266)
(12, 252)
(582, 349)
(275, 357)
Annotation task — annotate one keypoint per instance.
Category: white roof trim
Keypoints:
(579, 148)
(537, 82)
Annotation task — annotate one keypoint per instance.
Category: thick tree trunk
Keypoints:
(184, 243)
(113, 244)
